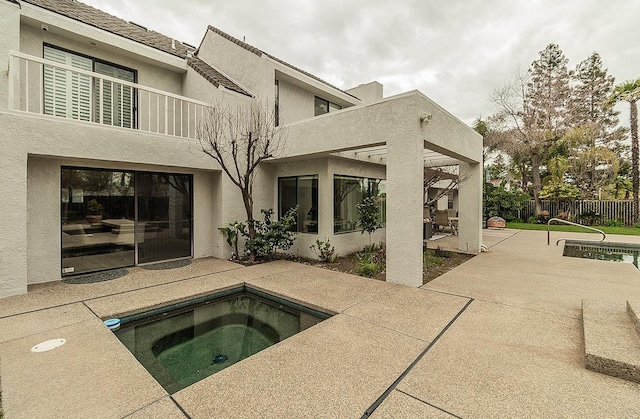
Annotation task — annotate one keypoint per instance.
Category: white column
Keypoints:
(470, 207)
(404, 210)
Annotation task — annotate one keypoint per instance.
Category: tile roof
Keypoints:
(102, 20)
(260, 53)
(214, 76)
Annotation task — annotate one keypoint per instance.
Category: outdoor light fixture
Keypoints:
(425, 117)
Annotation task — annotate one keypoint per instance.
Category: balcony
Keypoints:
(44, 87)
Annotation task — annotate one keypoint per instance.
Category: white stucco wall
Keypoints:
(470, 207)
(368, 92)
(295, 103)
(251, 71)
(9, 41)
(43, 220)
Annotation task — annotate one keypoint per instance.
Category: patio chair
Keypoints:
(442, 219)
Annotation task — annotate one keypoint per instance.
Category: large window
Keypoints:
(323, 106)
(301, 191)
(76, 96)
(348, 191)
(113, 218)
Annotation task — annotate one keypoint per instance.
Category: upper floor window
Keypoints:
(323, 106)
(82, 97)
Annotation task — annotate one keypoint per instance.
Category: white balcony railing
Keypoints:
(45, 87)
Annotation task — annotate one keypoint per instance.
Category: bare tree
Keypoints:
(533, 113)
(443, 179)
(239, 138)
(434, 176)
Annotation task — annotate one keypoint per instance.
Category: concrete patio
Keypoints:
(499, 336)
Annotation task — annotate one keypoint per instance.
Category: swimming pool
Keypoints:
(617, 252)
(182, 344)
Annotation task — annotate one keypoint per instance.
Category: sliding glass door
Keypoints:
(98, 216)
(113, 218)
(164, 208)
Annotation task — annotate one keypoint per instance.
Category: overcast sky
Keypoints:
(457, 52)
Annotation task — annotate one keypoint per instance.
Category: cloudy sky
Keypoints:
(457, 52)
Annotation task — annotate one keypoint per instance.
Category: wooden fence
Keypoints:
(600, 211)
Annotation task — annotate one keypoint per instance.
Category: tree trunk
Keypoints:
(248, 207)
(537, 182)
(635, 160)
(523, 174)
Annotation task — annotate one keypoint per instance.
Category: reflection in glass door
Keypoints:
(102, 229)
(97, 209)
(164, 216)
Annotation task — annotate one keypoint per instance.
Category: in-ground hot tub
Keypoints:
(182, 344)
(617, 252)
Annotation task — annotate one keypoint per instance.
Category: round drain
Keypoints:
(48, 345)
(220, 359)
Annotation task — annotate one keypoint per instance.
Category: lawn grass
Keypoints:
(629, 231)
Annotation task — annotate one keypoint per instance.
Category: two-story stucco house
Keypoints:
(98, 168)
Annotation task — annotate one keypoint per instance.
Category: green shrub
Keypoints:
(368, 264)
(271, 235)
(613, 223)
(502, 203)
(372, 248)
(589, 218)
(532, 220)
(324, 250)
(231, 234)
(368, 216)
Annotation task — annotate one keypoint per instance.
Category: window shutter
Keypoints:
(67, 94)
(77, 96)
(117, 99)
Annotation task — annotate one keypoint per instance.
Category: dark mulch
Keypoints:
(454, 259)
(348, 264)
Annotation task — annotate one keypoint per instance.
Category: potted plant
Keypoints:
(94, 211)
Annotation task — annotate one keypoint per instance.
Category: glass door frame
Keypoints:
(136, 213)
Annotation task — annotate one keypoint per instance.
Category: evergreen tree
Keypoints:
(590, 104)
(549, 92)
(546, 109)
(593, 141)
